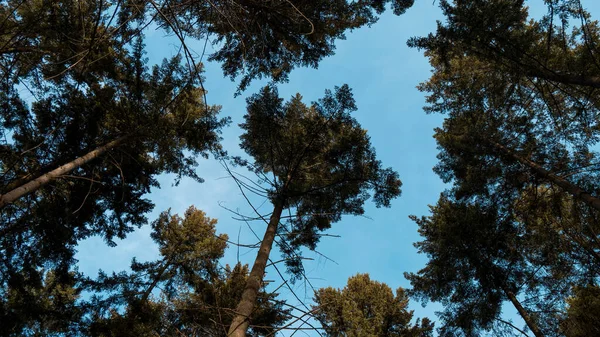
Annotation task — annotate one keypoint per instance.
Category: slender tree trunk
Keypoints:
(524, 314)
(17, 182)
(567, 186)
(241, 321)
(157, 278)
(35, 184)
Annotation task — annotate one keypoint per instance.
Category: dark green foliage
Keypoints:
(210, 311)
(49, 40)
(166, 124)
(40, 307)
(269, 39)
(518, 146)
(501, 32)
(474, 259)
(561, 233)
(196, 298)
(103, 92)
(255, 39)
(73, 78)
(321, 161)
(367, 308)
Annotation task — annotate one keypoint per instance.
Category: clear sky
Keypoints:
(383, 73)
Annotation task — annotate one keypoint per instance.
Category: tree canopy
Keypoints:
(367, 308)
(90, 125)
(322, 165)
(518, 148)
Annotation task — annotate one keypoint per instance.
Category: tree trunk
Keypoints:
(528, 320)
(161, 271)
(35, 184)
(567, 186)
(587, 81)
(241, 321)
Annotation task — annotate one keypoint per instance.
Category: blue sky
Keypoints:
(383, 73)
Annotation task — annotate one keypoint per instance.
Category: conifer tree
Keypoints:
(322, 166)
(518, 148)
(367, 308)
(561, 47)
(186, 291)
(475, 265)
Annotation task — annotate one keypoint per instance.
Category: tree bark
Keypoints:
(524, 314)
(161, 271)
(587, 81)
(241, 321)
(567, 186)
(35, 184)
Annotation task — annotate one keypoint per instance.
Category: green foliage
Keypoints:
(268, 39)
(75, 77)
(40, 307)
(561, 234)
(583, 313)
(552, 49)
(105, 91)
(367, 308)
(210, 311)
(468, 254)
(171, 126)
(197, 297)
(321, 161)
(518, 143)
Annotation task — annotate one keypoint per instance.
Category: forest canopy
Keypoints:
(103, 103)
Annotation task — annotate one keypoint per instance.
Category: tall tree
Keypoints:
(518, 147)
(103, 196)
(367, 308)
(561, 47)
(475, 264)
(322, 166)
(185, 291)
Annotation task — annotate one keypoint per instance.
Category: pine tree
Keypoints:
(518, 148)
(475, 264)
(185, 291)
(322, 165)
(367, 308)
(560, 48)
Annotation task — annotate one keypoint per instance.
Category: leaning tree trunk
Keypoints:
(38, 182)
(524, 314)
(241, 321)
(588, 81)
(567, 186)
